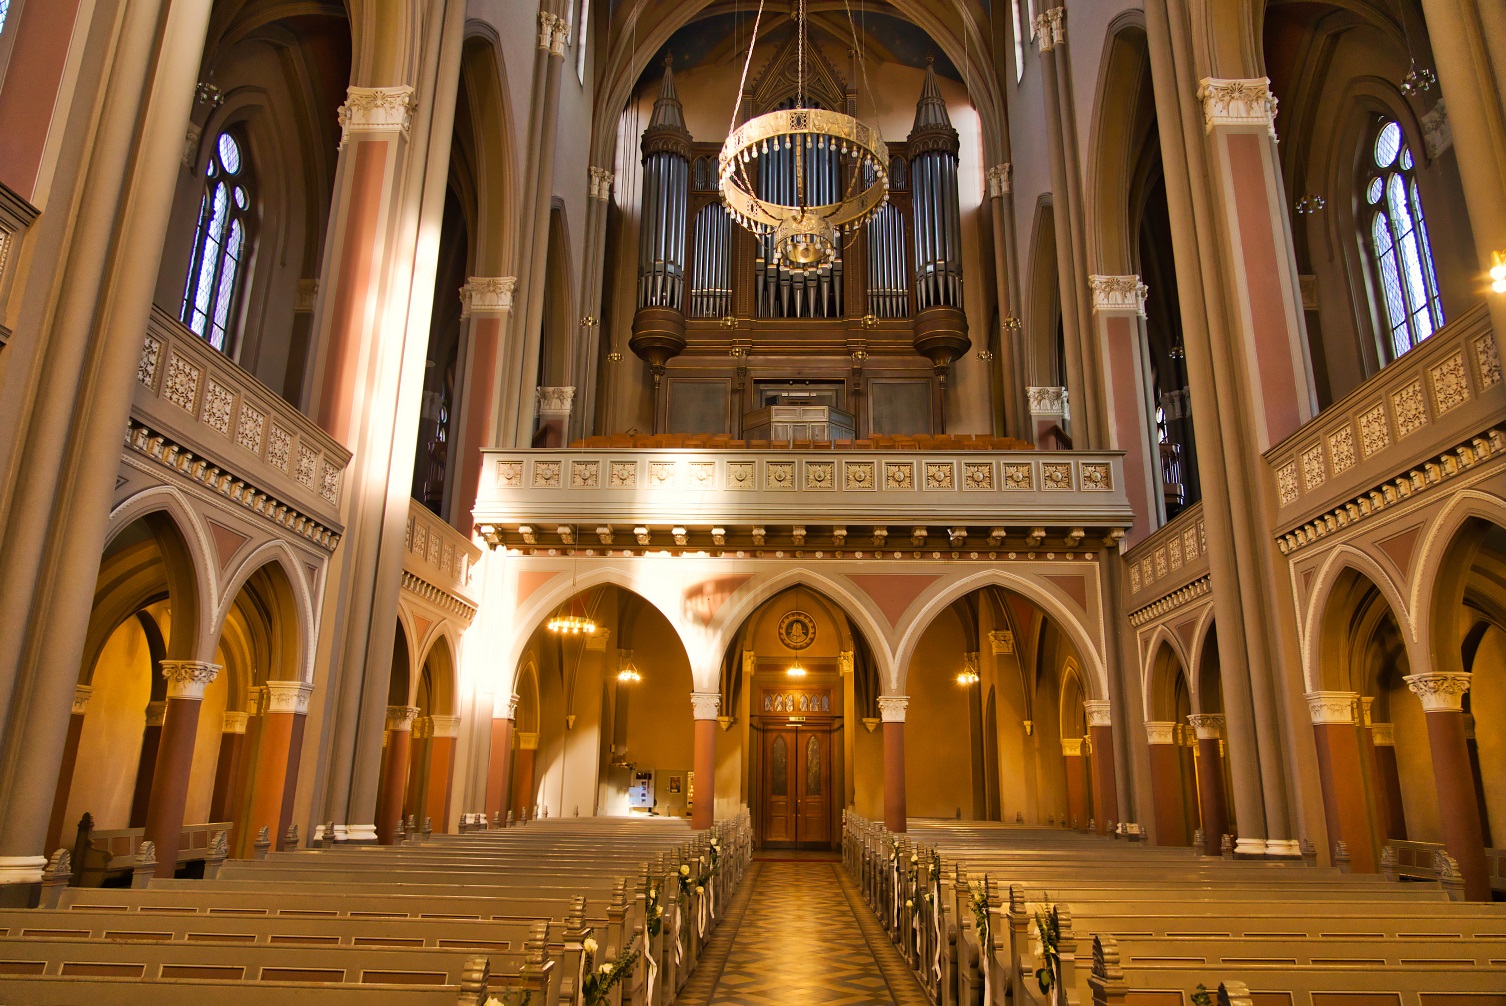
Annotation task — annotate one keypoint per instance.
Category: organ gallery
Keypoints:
(873, 501)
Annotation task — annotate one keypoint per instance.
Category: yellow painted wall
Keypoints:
(110, 747)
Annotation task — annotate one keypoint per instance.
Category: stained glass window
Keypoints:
(221, 244)
(812, 767)
(4, 11)
(779, 768)
(1399, 241)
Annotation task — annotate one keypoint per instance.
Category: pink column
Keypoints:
(485, 304)
(1388, 780)
(394, 771)
(280, 743)
(1166, 783)
(1119, 312)
(227, 766)
(705, 704)
(1212, 804)
(499, 761)
(1105, 785)
(1077, 792)
(445, 731)
(1442, 695)
(146, 762)
(522, 780)
(56, 823)
(186, 681)
(1341, 771)
(892, 711)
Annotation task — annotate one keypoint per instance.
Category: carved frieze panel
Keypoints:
(1450, 384)
(703, 474)
(899, 474)
(1488, 360)
(624, 475)
(1174, 553)
(1021, 477)
(1160, 562)
(585, 474)
(218, 403)
(978, 475)
(779, 475)
(941, 475)
(279, 448)
(329, 483)
(1097, 477)
(546, 474)
(181, 386)
(1189, 543)
(742, 475)
(1056, 475)
(859, 475)
(307, 461)
(1286, 483)
(821, 475)
(1341, 448)
(1409, 408)
(1134, 572)
(1313, 472)
(248, 432)
(151, 355)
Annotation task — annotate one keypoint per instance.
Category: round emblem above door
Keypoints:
(797, 630)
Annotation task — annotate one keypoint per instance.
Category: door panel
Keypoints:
(814, 782)
(780, 774)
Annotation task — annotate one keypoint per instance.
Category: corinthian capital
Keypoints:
(1332, 707)
(187, 679)
(487, 296)
(1440, 691)
(1123, 294)
(601, 183)
(400, 718)
(892, 708)
(1237, 103)
(706, 704)
(998, 180)
(1097, 712)
(378, 110)
(288, 697)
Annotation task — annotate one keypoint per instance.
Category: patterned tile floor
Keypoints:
(799, 934)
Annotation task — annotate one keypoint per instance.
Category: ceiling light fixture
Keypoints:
(805, 235)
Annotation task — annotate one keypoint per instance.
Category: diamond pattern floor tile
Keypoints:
(798, 934)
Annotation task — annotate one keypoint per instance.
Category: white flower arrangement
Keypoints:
(589, 946)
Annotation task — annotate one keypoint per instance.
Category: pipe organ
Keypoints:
(890, 303)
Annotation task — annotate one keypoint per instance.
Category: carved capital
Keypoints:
(892, 708)
(1047, 401)
(706, 704)
(1332, 707)
(1207, 726)
(400, 718)
(444, 726)
(1125, 294)
(308, 292)
(528, 742)
(1440, 691)
(235, 722)
(600, 183)
(81, 695)
(1383, 734)
(288, 697)
(999, 180)
(187, 679)
(156, 713)
(553, 401)
(554, 33)
(1001, 641)
(1051, 29)
(380, 110)
(1366, 702)
(1098, 712)
(487, 296)
(504, 706)
(1072, 747)
(1161, 732)
(1237, 103)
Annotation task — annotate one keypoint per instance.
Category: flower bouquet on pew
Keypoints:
(600, 979)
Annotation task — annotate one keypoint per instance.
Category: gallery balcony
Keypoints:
(940, 497)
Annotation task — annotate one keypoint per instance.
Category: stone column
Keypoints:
(394, 771)
(1048, 410)
(499, 764)
(415, 790)
(146, 761)
(1101, 737)
(1213, 808)
(1466, 41)
(485, 308)
(552, 416)
(1477, 777)
(279, 745)
(56, 823)
(186, 681)
(1342, 774)
(1166, 782)
(1012, 369)
(1077, 794)
(244, 783)
(298, 342)
(1119, 313)
(892, 711)
(554, 35)
(227, 765)
(706, 705)
(75, 353)
(1388, 780)
(1380, 812)
(1442, 695)
(522, 782)
(443, 733)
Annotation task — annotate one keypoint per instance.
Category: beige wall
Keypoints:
(938, 759)
(110, 747)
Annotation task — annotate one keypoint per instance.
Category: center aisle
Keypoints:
(798, 933)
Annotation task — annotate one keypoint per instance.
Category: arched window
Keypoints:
(1399, 240)
(221, 243)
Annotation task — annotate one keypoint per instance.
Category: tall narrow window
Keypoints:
(582, 25)
(4, 11)
(220, 244)
(1399, 241)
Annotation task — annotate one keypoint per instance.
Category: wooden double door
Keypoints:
(797, 779)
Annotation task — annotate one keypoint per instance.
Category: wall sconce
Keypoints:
(1310, 204)
(1498, 271)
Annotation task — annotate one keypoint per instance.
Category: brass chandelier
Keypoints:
(805, 235)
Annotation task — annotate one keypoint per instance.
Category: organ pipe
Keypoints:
(666, 188)
(782, 291)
